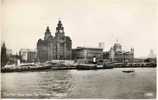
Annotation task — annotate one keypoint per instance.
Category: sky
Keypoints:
(88, 22)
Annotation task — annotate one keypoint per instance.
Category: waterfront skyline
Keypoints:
(87, 22)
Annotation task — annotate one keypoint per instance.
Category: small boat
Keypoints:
(128, 71)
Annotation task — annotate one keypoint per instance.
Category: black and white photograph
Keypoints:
(79, 49)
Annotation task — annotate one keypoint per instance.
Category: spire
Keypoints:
(59, 21)
(47, 30)
(59, 24)
(47, 33)
(3, 45)
(60, 27)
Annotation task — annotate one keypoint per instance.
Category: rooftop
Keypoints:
(89, 48)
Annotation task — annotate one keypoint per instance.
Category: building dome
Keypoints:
(117, 47)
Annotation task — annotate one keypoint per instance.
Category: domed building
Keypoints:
(117, 47)
(116, 54)
(58, 47)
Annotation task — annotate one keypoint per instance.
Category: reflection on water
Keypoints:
(40, 84)
(110, 83)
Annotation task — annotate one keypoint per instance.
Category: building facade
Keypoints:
(27, 55)
(86, 54)
(58, 47)
(116, 54)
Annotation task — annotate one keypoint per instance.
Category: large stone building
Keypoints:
(86, 54)
(116, 54)
(27, 55)
(58, 47)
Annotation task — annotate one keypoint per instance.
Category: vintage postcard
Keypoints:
(78, 49)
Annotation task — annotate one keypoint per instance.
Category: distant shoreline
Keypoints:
(7, 70)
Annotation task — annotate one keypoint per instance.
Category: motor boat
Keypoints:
(128, 71)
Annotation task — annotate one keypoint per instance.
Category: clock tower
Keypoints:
(47, 34)
(58, 47)
(63, 51)
(59, 28)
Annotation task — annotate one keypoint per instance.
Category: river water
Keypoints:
(107, 83)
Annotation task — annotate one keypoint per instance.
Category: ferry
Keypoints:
(128, 71)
